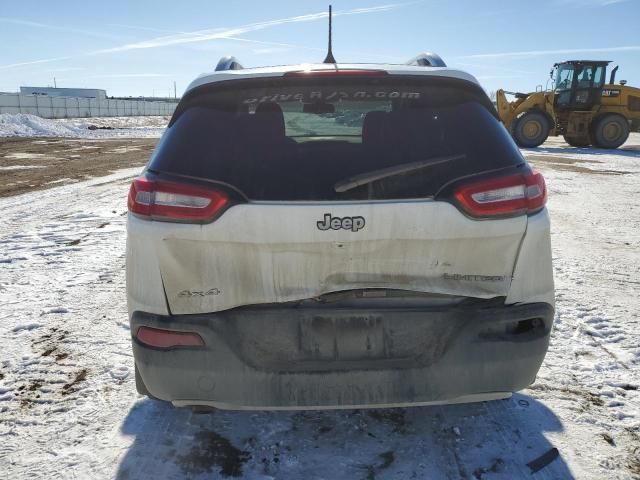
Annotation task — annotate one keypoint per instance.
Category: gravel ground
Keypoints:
(28, 164)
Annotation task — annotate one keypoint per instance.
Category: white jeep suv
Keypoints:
(337, 236)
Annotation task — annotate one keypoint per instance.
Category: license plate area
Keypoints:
(343, 337)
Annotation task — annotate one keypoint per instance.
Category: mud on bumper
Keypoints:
(288, 358)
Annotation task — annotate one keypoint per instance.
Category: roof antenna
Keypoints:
(329, 58)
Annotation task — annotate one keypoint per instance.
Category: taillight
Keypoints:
(159, 338)
(173, 201)
(503, 196)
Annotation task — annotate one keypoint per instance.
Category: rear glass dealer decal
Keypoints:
(332, 96)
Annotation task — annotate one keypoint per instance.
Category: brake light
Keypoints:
(503, 196)
(335, 73)
(159, 338)
(173, 201)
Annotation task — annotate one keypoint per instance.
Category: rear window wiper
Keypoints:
(368, 177)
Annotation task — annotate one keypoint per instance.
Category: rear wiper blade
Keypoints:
(368, 177)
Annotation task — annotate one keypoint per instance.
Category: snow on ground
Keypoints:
(590, 378)
(25, 125)
(68, 406)
(20, 167)
(560, 154)
(120, 122)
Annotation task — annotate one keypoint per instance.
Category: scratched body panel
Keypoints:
(268, 253)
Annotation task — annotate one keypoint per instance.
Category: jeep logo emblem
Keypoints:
(345, 223)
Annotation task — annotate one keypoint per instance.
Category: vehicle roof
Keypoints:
(596, 62)
(280, 70)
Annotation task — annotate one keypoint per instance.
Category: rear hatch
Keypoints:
(336, 183)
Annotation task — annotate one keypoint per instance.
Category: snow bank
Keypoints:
(26, 125)
(119, 122)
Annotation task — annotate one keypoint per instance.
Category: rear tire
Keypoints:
(610, 131)
(531, 129)
(582, 141)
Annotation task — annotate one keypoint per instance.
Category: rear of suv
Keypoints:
(335, 236)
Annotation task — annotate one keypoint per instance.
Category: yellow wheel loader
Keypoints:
(580, 107)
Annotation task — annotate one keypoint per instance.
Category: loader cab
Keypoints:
(578, 84)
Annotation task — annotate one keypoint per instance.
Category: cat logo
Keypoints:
(610, 93)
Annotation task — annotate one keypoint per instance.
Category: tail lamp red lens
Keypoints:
(164, 200)
(503, 196)
(159, 338)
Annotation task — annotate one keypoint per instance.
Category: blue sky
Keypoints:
(141, 47)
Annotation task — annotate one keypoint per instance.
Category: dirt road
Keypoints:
(28, 164)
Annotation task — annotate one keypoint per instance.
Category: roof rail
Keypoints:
(427, 59)
(228, 63)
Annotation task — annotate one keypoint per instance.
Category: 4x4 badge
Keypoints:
(345, 223)
(200, 293)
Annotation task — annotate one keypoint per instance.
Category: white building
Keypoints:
(65, 92)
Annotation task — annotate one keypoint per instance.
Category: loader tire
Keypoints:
(531, 130)
(581, 141)
(610, 131)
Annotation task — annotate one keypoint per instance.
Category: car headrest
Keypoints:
(373, 127)
(269, 121)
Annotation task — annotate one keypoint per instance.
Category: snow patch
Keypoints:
(21, 167)
(24, 155)
(119, 373)
(27, 125)
(124, 149)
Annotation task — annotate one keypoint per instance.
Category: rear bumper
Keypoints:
(293, 358)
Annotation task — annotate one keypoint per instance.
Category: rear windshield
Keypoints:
(335, 138)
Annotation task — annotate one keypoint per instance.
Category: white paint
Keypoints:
(279, 71)
(263, 253)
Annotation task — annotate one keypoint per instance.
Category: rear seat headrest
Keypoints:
(269, 121)
(373, 128)
(268, 107)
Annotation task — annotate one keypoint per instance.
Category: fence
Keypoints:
(71, 107)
